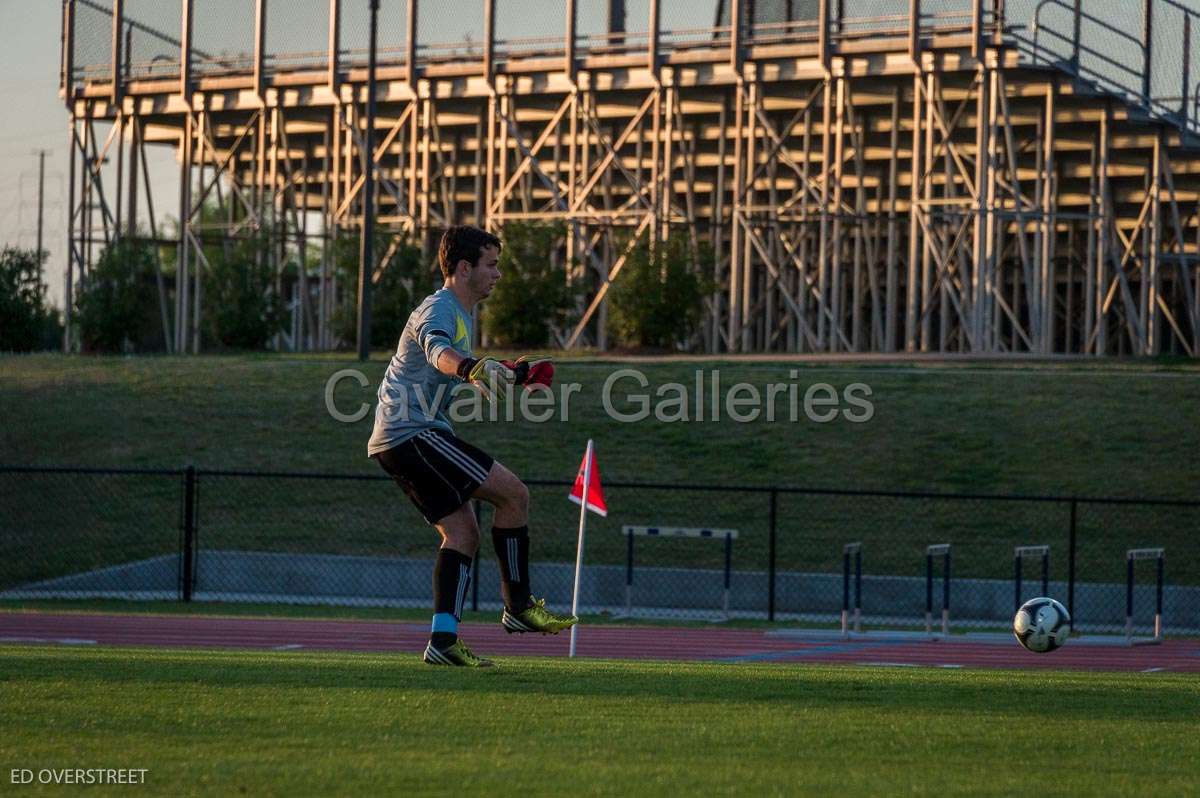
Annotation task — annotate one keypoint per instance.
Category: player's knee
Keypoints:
(460, 531)
(465, 540)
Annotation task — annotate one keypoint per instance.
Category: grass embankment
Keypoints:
(1123, 429)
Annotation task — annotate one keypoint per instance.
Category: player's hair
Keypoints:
(463, 242)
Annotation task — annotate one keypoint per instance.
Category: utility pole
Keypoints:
(366, 253)
(41, 154)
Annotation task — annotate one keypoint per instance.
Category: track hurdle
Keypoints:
(630, 532)
(1019, 554)
(847, 550)
(930, 552)
(1158, 555)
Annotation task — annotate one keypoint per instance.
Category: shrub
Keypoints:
(240, 307)
(656, 299)
(117, 303)
(532, 297)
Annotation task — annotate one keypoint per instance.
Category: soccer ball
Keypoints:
(1041, 625)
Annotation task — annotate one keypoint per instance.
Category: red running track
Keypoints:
(613, 642)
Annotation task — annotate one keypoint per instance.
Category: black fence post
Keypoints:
(1158, 593)
(1017, 582)
(1071, 565)
(771, 558)
(475, 564)
(189, 533)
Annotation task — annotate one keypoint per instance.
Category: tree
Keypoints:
(26, 321)
(241, 308)
(117, 304)
(656, 300)
(533, 296)
(405, 280)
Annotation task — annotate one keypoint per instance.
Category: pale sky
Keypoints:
(34, 117)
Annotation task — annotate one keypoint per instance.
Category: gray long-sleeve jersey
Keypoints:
(414, 395)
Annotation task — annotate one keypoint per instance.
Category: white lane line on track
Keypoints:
(1153, 670)
(65, 641)
(911, 664)
(893, 664)
(288, 647)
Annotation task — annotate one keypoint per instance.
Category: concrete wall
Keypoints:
(657, 592)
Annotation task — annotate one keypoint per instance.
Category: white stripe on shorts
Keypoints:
(455, 455)
(459, 457)
(425, 459)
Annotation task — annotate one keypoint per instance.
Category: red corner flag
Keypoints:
(595, 494)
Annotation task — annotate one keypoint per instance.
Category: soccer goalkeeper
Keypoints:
(415, 445)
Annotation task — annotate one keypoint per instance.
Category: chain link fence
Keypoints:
(83, 533)
(662, 552)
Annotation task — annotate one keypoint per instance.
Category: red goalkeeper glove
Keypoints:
(531, 371)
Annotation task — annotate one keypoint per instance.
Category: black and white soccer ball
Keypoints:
(1041, 625)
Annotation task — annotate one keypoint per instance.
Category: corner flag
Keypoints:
(595, 494)
(589, 475)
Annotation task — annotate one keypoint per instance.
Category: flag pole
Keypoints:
(583, 509)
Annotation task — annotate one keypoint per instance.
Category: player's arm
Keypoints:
(486, 372)
(433, 336)
(449, 360)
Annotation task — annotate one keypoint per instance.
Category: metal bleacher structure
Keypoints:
(871, 175)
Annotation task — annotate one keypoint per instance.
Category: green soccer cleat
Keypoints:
(457, 654)
(536, 618)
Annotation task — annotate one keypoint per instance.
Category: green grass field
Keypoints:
(1100, 429)
(228, 723)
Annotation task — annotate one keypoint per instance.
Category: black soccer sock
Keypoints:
(451, 577)
(512, 554)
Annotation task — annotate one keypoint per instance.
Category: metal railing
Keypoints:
(99, 35)
(1140, 52)
(309, 538)
(1120, 48)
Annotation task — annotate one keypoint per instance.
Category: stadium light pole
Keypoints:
(366, 251)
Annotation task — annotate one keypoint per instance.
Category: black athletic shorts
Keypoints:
(438, 471)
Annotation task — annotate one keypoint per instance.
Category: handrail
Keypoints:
(1082, 49)
(1037, 15)
(1172, 108)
